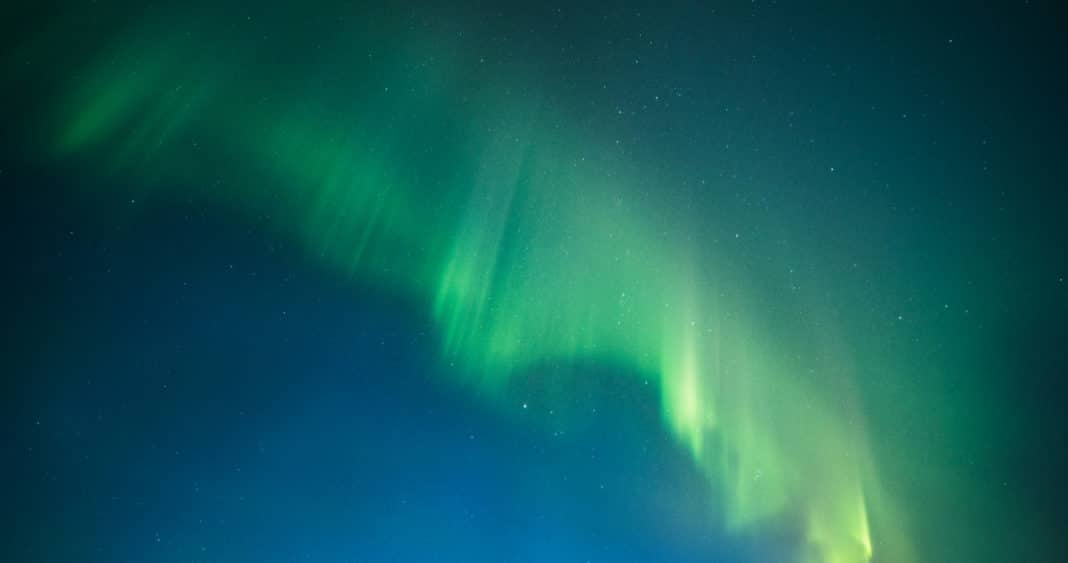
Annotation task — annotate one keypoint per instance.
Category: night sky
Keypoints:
(634, 282)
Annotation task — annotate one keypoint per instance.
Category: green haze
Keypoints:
(398, 160)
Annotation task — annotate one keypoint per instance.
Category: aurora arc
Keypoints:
(526, 243)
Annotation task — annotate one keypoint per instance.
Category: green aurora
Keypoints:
(534, 239)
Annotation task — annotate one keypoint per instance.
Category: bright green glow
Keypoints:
(525, 245)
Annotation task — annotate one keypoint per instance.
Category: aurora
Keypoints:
(525, 255)
(402, 160)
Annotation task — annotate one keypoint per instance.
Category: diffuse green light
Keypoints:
(522, 254)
